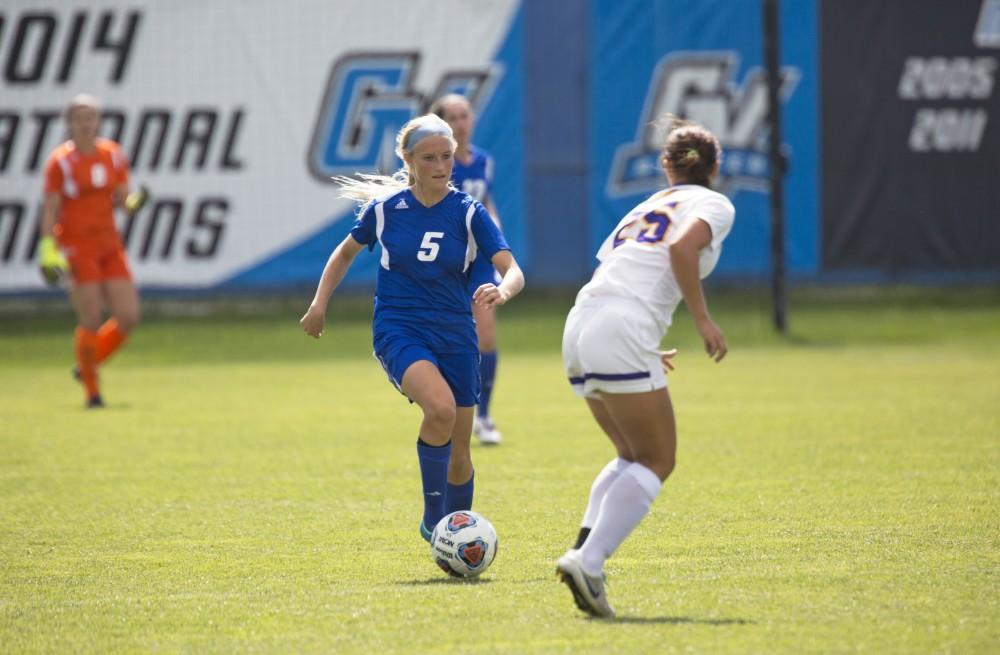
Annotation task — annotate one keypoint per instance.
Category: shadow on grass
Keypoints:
(112, 406)
(674, 620)
(445, 580)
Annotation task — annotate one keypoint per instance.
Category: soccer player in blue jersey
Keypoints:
(423, 331)
(473, 174)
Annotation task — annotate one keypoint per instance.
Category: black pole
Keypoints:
(777, 162)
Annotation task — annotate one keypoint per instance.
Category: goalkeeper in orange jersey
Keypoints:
(86, 177)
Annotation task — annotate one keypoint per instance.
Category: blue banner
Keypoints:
(704, 61)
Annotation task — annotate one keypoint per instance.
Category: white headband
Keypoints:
(424, 131)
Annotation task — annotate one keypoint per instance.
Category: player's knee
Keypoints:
(128, 320)
(90, 320)
(441, 412)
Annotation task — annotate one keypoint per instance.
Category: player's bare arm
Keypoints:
(51, 204)
(511, 284)
(336, 267)
(684, 255)
(119, 194)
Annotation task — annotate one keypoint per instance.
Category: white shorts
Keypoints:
(612, 345)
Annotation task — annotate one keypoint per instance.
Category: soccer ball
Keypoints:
(463, 544)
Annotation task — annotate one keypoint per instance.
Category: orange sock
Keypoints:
(86, 360)
(109, 339)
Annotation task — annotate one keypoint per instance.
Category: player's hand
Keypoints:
(135, 200)
(52, 262)
(52, 276)
(665, 359)
(489, 295)
(313, 321)
(711, 334)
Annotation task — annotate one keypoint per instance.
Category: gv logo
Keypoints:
(699, 86)
(987, 33)
(368, 97)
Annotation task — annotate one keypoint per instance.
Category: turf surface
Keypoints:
(249, 489)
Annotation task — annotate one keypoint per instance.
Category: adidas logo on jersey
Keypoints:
(401, 204)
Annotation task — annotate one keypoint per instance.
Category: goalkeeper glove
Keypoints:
(52, 261)
(135, 200)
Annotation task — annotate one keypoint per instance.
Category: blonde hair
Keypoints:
(81, 100)
(364, 188)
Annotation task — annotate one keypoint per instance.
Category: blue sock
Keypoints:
(487, 373)
(460, 495)
(434, 476)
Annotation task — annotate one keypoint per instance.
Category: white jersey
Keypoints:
(635, 258)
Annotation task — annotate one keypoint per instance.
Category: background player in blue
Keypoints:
(473, 174)
(423, 331)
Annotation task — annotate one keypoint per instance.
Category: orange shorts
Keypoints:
(96, 262)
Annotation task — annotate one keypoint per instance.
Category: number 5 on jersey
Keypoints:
(428, 248)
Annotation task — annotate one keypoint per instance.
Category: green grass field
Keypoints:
(249, 489)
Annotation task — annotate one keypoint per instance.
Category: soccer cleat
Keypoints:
(588, 591)
(425, 534)
(93, 402)
(486, 431)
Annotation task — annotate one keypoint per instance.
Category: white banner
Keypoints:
(234, 114)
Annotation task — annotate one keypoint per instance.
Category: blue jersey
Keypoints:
(476, 177)
(426, 253)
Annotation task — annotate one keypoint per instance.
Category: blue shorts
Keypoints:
(396, 353)
(482, 273)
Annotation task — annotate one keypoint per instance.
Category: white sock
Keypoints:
(602, 483)
(625, 504)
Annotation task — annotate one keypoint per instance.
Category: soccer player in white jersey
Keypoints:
(657, 255)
